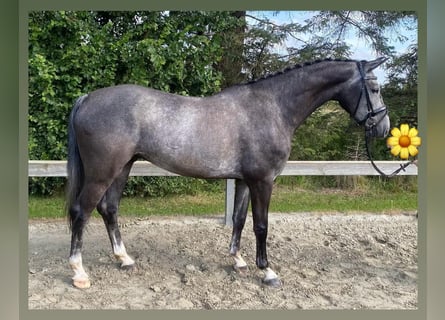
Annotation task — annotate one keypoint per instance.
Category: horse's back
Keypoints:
(187, 135)
(215, 137)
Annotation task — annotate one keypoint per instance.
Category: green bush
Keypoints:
(162, 186)
(74, 52)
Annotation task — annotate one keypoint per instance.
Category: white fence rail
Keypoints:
(54, 168)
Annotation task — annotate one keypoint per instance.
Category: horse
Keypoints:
(243, 132)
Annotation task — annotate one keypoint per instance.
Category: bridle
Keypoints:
(369, 121)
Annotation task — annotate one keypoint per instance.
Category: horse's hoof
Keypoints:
(273, 282)
(81, 283)
(243, 271)
(129, 267)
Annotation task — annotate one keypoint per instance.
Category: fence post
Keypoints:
(230, 201)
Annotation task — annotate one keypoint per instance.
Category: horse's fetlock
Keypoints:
(262, 263)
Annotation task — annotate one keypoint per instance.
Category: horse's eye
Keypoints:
(375, 90)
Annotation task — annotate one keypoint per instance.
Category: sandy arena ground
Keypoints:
(325, 261)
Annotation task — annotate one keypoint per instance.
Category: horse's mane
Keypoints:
(298, 66)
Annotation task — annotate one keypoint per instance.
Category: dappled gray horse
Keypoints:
(243, 133)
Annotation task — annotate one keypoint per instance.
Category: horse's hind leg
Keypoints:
(239, 218)
(80, 278)
(108, 209)
(80, 212)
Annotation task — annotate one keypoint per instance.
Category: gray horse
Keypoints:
(243, 133)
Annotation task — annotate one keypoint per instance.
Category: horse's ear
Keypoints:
(371, 65)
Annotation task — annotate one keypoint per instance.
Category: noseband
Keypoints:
(368, 120)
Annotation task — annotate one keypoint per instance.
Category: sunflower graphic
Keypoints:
(404, 141)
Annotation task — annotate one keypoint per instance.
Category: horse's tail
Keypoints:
(74, 166)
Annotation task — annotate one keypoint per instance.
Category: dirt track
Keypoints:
(335, 261)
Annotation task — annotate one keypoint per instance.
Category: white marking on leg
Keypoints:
(80, 279)
(270, 275)
(239, 261)
(271, 279)
(121, 253)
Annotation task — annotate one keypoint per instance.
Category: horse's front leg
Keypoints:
(239, 218)
(261, 192)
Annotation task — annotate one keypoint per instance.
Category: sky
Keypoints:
(360, 50)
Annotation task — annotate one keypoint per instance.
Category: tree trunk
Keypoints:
(231, 63)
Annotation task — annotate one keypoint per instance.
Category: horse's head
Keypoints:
(363, 100)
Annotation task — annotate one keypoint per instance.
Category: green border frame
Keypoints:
(14, 129)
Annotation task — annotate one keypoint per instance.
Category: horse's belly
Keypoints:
(199, 168)
(194, 163)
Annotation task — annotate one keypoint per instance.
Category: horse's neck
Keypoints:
(302, 91)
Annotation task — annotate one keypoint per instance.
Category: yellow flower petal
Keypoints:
(396, 150)
(416, 141)
(395, 132)
(404, 129)
(413, 132)
(392, 141)
(413, 151)
(404, 154)
(404, 141)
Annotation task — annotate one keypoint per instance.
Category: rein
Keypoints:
(383, 174)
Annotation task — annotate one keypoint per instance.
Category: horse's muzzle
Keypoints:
(377, 128)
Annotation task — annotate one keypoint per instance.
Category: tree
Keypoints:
(400, 91)
(232, 41)
(376, 27)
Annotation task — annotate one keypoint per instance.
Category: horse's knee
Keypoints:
(260, 231)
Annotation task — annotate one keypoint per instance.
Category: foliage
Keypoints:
(260, 39)
(161, 186)
(199, 53)
(401, 90)
(72, 53)
(310, 142)
(373, 26)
